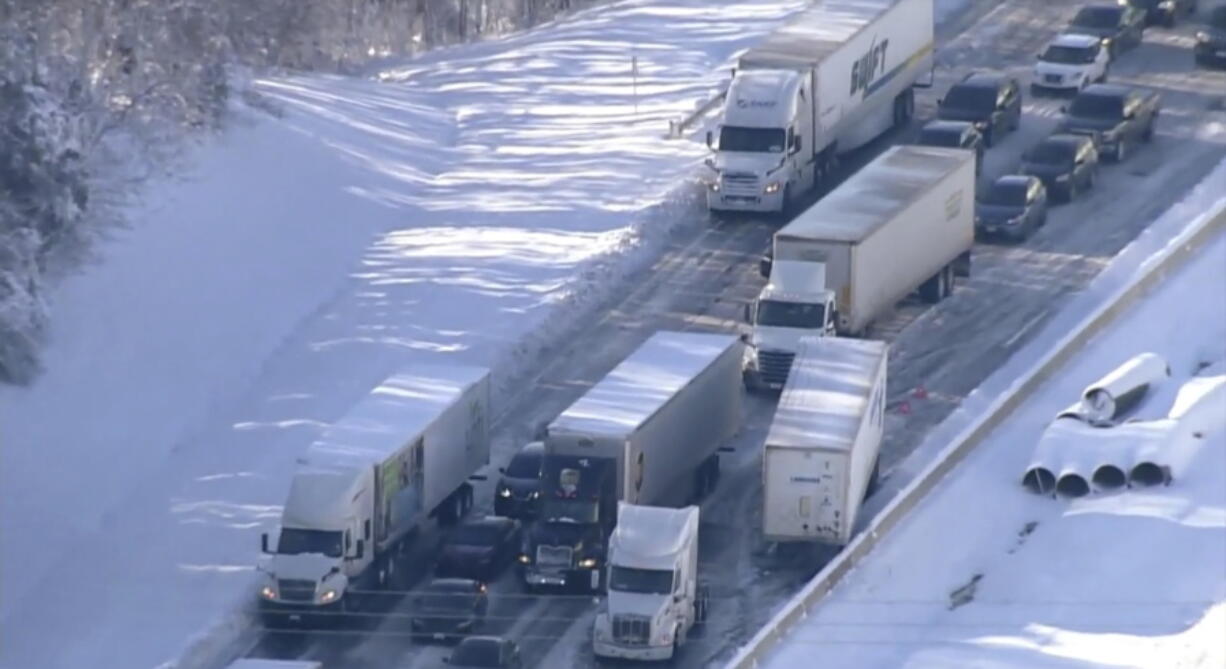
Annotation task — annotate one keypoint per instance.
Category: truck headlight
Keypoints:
(505, 492)
(714, 186)
(1202, 36)
(535, 494)
(772, 187)
(268, 592)
(587, 563)
(1167, 5)
(328, 596)
(1106, 41)
(524, 559)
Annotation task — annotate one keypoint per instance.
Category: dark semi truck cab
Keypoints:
(566, 546)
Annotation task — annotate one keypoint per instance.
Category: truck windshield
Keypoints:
(1068, 55)
(1090, 105)
(791, 314)
(751, 140)
(570, 510)
(649, 581)
(295, 542)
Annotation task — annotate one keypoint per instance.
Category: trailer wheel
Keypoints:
(701, 604)
(904, 108)
(930, 290)
(947, 289)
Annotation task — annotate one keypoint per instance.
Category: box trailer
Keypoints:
(648, 433)
(903, 223)
(821, 455)
(402, 455)
(839, 74)
(254, 663)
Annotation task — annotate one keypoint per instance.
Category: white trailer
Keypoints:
(661, 415)
(654, 597)
(838, 75)
(904, 222)
(820, 458)
(254, 663)
(400, 456)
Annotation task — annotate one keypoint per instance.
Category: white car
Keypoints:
(1070, 63)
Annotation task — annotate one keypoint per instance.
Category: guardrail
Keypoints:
(1183, 246)
(676, 128)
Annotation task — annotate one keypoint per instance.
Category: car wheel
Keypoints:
(1121, 150)
(1148, 135)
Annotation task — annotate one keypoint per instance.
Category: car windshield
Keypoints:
(1007, 194)
(933, 137)
(476, 653)
(1068, 55)
(1051, 153)
(476, 535)
(773, 313)
(751, 140)
(295, 542)
(1090, 105)
(1098, 17)
(971, 98)
(525, 466)
(650, 581)
(570, 510)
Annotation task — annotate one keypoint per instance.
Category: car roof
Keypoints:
(1067, 139)
(452, 585)
(1075, 40)
(481, 641)
(1116, 90)
(533, 448)
(983, 80)
(948, 126)
(1013, 180)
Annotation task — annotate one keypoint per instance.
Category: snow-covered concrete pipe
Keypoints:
(1166, 448)
(1061, 435)
(1110, 398)
(1200, 405)
(1072, 484)
(1109, 476)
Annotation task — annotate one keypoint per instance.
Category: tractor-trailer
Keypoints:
(648, 433)
(829, 81)
(905, 222)
(820, 460)
(402, 455)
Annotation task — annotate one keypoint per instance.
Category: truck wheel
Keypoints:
(701, 604)
(930, 290)
(947, 287)
(904, 108)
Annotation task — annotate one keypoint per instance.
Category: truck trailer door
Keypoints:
(804, 495)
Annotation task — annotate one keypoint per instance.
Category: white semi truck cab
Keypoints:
(795, 304)
(654, 597)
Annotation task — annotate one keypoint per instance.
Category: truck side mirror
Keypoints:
(797, 143)
(748, 312)
(764, 266)
(264, 543)
(710, 139)
(359, 550)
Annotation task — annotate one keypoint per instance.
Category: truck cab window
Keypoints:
(751, 140)
(645, 581)
(772, 313)
(296, 541)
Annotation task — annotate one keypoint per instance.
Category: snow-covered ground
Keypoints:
(985, 574)
(467, 205)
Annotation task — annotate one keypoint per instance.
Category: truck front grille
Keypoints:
(554, 556)
(775, 365)
(296, 590)
(631, 630)
(741, 185)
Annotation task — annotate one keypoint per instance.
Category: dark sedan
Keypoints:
(954, 135)
(490, 652)
(1164, 12)
(1118, 26)
(993, 102)
(1014, 207)
(518, 492)
(480, 548)
(1067, 164)
(448, 608)
(1210, 46)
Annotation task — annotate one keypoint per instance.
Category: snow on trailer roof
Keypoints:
(260, 663)
(877, 193)
(650, 537)
(827, 392)
(814, 33)
(643, 383)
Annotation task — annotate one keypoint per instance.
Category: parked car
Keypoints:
(1070, 63)
(956, 135)
(1210, 49)
(518, 493)
(1067, 164)
(1116, 117)
(1164, 12)
(992, 101)
(480, 548)
(1118, 25)
(1014, 206)
(486, 651)
(448, 608)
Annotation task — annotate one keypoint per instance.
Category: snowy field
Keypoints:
(985, 574)
(466, 206)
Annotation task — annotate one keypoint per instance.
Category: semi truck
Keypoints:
(654, 598)
(820, 460)
(904, 222)
(648, 433)
(399, 457)
(829, 81)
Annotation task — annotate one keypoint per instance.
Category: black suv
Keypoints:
(1116, 117)
(993, 102)
(955, 135)
(1067, 164)
(1118, 26)
(1210, 46)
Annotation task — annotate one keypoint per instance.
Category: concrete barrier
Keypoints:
(1173, 255)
